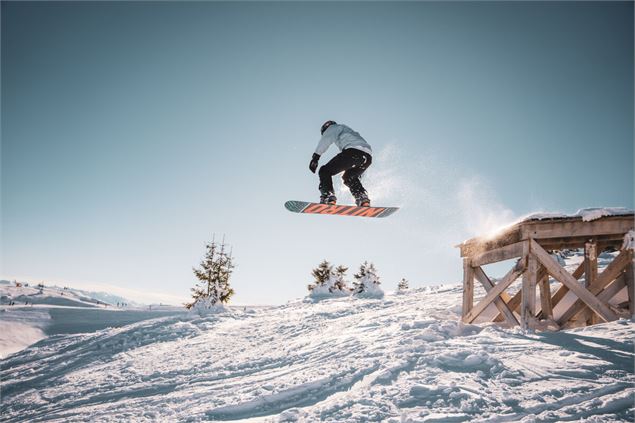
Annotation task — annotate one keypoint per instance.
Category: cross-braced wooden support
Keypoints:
(594, 299)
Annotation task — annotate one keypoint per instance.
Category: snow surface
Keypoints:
(398, 359)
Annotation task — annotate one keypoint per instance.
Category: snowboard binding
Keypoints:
(362, 200)
(328, 198)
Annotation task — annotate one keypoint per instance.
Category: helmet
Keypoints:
(326, 125)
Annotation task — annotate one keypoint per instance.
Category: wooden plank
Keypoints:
(590, 275)
(507, 280)
(572, 228)
(609, 292)
(546, 309)
(468, 287)
(478, 245)
(612, 289)
(629, 280)
(564, 277)
(499, 254)
(514, 302)
(501, 305)
(604, 241)
(612, 271)
(528, 307)
(562, 291)
(513, 305)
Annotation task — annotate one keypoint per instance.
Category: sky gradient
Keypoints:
(132, 132)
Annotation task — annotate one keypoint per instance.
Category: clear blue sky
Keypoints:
(131, 132)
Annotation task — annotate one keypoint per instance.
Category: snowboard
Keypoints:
(338, 209)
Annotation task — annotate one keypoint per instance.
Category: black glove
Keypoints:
(314, 162)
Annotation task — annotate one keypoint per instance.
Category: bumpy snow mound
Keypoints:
(399, 359)
(328, 289)
(205, 307)
(370, 289)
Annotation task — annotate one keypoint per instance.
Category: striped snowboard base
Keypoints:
(336, 209)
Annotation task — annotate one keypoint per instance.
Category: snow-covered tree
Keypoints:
(367, 282)
(340, 278)
(213, 277)
(403, 285)
(328, 281)
(321, 274)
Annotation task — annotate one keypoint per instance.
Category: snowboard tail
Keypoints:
(337, 209)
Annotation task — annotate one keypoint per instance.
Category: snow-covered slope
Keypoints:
(401, 358)
(53, 296)
(29, 314)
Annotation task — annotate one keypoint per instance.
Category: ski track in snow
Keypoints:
(402, 358)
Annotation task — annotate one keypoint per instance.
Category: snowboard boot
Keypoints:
(328, 198)
(362, 200)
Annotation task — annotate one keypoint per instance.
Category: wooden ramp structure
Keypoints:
(565, 299)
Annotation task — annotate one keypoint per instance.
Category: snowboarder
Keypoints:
(354, 158)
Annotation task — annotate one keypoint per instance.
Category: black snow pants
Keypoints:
(353, 163)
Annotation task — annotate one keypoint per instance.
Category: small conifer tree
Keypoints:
(327, 280)
(366, 278)
(403, 285)
(213, 277)
(340, 281)
(321, 274)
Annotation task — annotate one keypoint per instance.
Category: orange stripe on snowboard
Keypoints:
(344, 210)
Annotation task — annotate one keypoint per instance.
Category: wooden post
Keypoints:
(528, 307)
(468, 286)
(590, 276)
(545, 295)
(629, 278)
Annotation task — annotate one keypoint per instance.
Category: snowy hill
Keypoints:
(405, 357)
(33, 294)
(29, 313)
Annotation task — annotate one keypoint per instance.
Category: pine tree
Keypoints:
(340, 282)
(403, 285)
(213, 274)
(366, 275)
(321, 274)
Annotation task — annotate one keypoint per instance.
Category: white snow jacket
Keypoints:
(343, 137)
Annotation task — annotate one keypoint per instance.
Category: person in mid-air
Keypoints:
(354, 158)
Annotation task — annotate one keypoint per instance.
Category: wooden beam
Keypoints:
(509, 278)
(528, 307)
(564, 277)
(629, 279)
(468, 287)
(513, 305)
(611, 272)
(501, 305)
(604, 241)
(546, 308)
(562, 291)
(612, 289)
(499, 254)
(514, 302)
(577, 227)
(590, 275)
